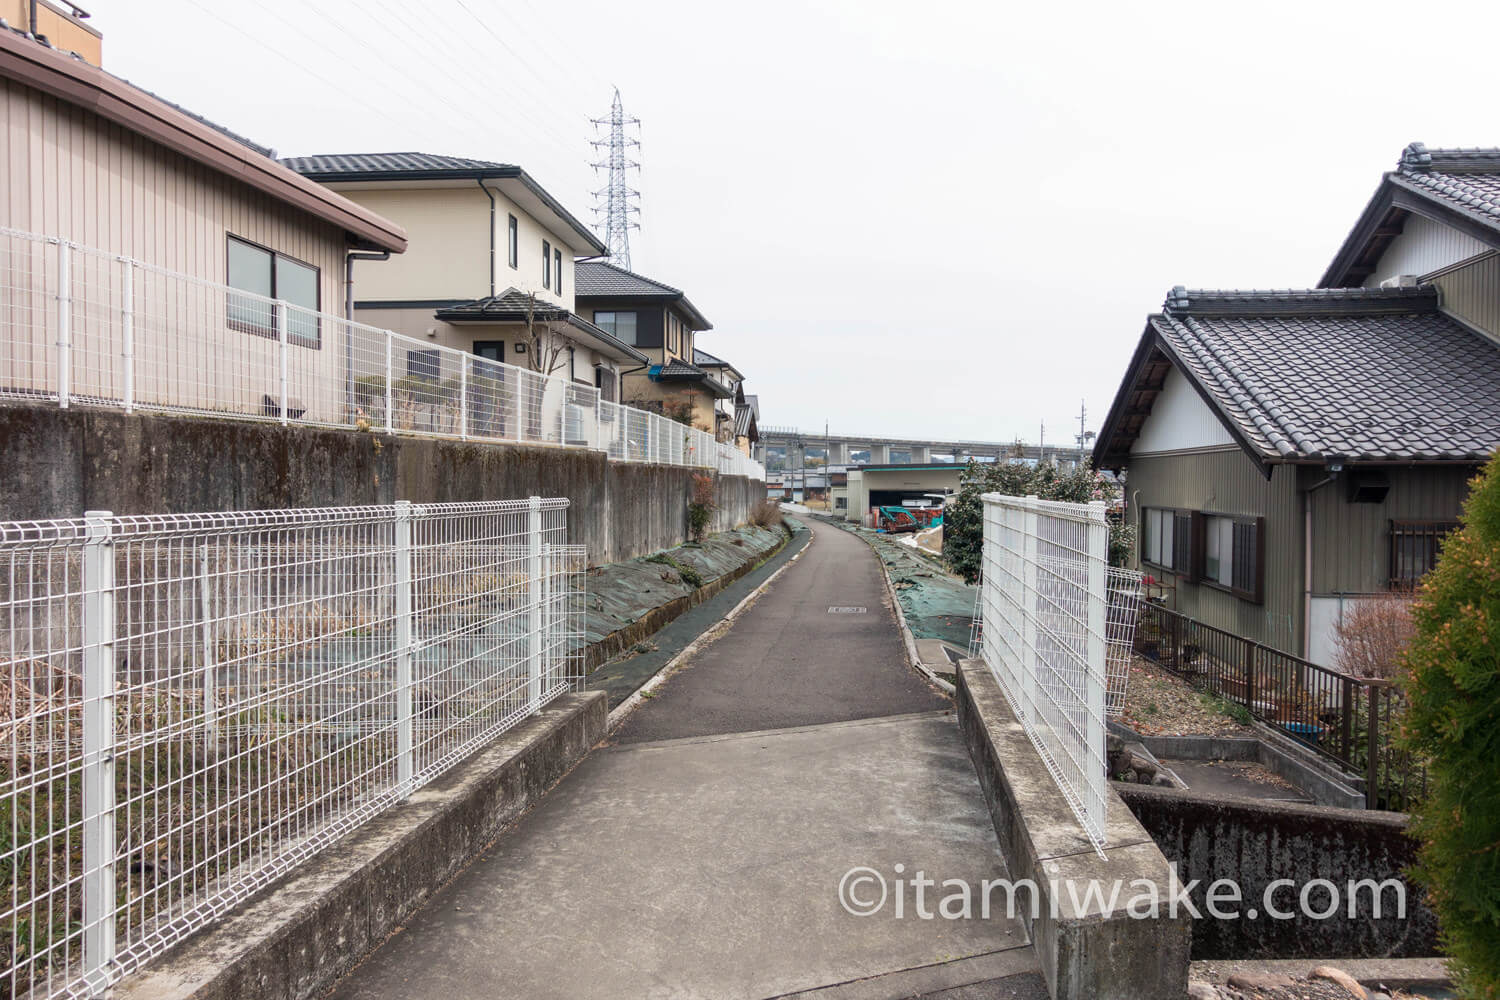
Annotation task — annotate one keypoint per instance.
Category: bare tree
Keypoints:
(546, 344)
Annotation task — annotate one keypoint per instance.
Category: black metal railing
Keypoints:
(1351, 721)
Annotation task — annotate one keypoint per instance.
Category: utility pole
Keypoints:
(617, 195)
(1084, 435)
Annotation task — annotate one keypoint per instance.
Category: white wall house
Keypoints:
(487, 242)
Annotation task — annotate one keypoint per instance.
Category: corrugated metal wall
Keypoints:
(1351, 541)
(1472, 294)
(1424, 246)
(1228, 482)
(69, 173)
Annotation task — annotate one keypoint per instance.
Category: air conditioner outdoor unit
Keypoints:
(1400, 281)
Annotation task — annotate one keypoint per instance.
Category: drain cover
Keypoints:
(846, 611)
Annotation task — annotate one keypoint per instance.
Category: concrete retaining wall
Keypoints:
(60, 463)
(294, 940)
(1085, 951)
(1255, 842)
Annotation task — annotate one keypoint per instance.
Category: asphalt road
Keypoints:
(790, 661)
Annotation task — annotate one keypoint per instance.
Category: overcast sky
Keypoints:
(943, 220)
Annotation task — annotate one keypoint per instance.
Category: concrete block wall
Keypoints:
(60, 463)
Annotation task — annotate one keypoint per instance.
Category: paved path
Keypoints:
(700, 854)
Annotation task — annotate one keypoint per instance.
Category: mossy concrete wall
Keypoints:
(1254, 842)
(60, 463)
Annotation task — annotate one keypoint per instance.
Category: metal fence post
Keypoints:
(210, 666)
(281, 325)
(390, 424)
(534, 604)
(64, 325)
(463, 398)
(1029, 662)
(127, 332)
(1097, 669)
(98, 748)
(403, 646)
(1250, 658)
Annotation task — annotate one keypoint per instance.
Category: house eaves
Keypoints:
(76, 82)
(1429, 183)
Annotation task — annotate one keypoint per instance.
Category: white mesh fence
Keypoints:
(195, 704)
(1044, 598)
(82, 327)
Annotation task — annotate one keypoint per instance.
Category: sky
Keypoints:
(913, 220)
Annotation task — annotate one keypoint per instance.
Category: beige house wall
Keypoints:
(639, 388)
(70, 174)
(448, 257)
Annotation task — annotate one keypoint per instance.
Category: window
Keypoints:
(490, 350)
(605, 379)
(620, 324)
(424, 364)
(1414, 550)
(513, 242)
(546, 264)
(1232, 554)
(557, 266)
(1167, 538)
(265, 273)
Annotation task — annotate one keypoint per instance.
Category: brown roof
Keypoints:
(71, 79)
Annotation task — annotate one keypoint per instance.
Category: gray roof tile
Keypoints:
(1360, 374)
(1465, 179)
(598, 279)
(349, 165)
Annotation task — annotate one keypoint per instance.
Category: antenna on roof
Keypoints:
(614, 214)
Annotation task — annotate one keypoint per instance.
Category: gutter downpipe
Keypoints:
(491, 196)
(1334, 468)
(349, 260)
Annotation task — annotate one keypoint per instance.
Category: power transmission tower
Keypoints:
(613, 215)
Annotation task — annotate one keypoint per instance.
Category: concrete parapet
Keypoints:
(1092, 950)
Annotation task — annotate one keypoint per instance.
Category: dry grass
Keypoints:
(766, 514)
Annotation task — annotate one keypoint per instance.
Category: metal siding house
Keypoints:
(138, 183)
(1338, 426)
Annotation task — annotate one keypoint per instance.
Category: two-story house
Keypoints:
(180, 241)
(1290, 452)
(662, 323)
(490, 267)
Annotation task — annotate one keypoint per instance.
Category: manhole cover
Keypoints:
(845, 611)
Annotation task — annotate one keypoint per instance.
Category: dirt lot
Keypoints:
(1160, 704)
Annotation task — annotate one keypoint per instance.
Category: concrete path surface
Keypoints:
(701, 854)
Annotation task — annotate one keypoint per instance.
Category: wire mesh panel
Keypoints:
(1124, 613)
(195, 704)
(1044, 598)
(81, 326)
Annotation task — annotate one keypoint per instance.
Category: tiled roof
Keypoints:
(1464, 179)
(703, 359)
(1356, 374)
(509, 304)
(510, 307)
(351, 165)
(678, 368)
(744, 419)
(597, 277)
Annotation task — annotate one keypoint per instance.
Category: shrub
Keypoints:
(766, 514)
(1453, 718)
(1373, 636)
(701, 507)
(963, 517)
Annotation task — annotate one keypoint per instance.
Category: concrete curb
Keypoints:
(296, 938)
(622, 711)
